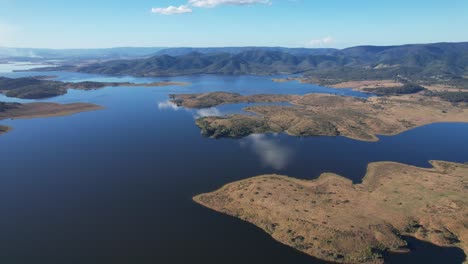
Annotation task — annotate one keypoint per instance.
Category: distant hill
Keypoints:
(237, 50)
(82, 54)
(434, 63)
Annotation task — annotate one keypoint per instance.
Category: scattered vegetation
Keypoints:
(335, 220)
(39, 87)
(441, 63)
(7, 106)
(407, 88)
(322, 115)
(454, 97)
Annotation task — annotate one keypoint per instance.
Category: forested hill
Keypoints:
(439, 61)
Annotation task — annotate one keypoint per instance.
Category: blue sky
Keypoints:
(291, 23)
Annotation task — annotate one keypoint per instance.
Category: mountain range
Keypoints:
(435, 63)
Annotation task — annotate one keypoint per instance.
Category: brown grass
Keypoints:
(36, 110)
(329, 115)
(361, 85)
(332, 219)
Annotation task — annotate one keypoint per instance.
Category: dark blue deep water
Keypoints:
(115, 185)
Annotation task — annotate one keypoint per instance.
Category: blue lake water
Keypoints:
(115, 185)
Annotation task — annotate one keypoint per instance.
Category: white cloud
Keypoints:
(214, 3)
(187, 8)
(172, 10)
(270, 151)
(323, 42)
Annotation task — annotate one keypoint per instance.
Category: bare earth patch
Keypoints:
(335, 220)
(361, 85)
(288, 79)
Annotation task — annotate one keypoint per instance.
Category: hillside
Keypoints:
(433, 63)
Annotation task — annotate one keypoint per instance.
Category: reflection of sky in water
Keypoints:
(270, 150)
(20, 66)
(197, 113)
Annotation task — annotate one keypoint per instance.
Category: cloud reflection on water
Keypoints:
(213, 111)
(271, 152)
(168, 105)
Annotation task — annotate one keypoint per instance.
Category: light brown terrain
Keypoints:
(442, 88)
(355, 85)
(367, 84)
(372, 84)
(206, 100)
(361, 85)
(288, 79)
(324, 115)
(335, 220)
(36, 110)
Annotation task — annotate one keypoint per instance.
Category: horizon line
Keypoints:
(247, 46)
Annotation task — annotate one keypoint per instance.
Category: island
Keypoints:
(36, 110)
(323, 114)
(333, 219)
(40, 87)
(4, 129)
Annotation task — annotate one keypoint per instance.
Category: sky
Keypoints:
(221, 23)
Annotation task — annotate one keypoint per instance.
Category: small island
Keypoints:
(40, 87)
(323, 114)
(4, 129)
(36, 110)
(335, 220)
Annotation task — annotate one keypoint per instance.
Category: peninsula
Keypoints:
(323, 115)
(40, 87)
(335, 220)
(36, 110)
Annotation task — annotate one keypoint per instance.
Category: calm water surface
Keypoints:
(115, 185)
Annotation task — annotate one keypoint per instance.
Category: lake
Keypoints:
(115, 185)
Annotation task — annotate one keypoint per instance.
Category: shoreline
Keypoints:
(5, 129)
(302, 213)
(64, 112)
(323, 115)
(44, 110)
(40, 87)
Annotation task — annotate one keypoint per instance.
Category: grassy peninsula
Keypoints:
(39, 87)
(335, 220)
(324, 115)
(36, 110)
